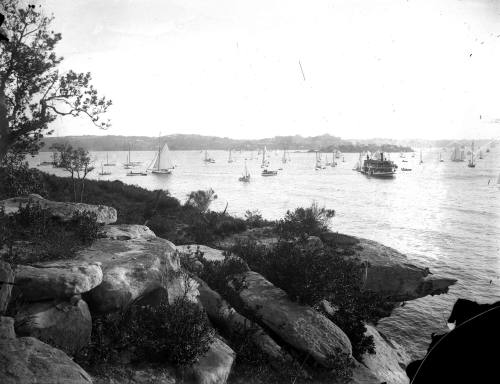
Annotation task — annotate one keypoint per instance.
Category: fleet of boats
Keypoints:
(378, 164)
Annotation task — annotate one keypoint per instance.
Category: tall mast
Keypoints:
(159, 152)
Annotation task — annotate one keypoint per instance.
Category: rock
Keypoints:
(388, 361)
(134, 268)
(59, 324)
(362, 375)
(389, 273)
(6, 283)
(57, 279)
(61, 210)
(215, 366)
(27, 360)
(127, 232)
(234, 324)
(313, 243)
(328, 307)
(263, 236)
(209, 254)
(301, 327)
(6, 328)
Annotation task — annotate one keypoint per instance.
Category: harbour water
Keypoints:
(442, 215)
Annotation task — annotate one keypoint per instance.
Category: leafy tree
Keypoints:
(78, 163)
(33, 92)
(304, 222)
(201, 200)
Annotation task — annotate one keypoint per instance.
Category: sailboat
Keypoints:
(285, 157)
(162, 163)
(471, 163)
(103, 172)
(480, 155)
(230, 159)
(333, 163)
(246, 176)
(130, 163)
(319, 162)
(208, 159)
(108, 164)
(440, 158)
(421, 161)
(265, 161)
(457, 154)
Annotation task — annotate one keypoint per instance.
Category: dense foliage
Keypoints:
(178, 333)
(304, 222)
(33, 235)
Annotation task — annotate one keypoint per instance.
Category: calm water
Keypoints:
(441, 215)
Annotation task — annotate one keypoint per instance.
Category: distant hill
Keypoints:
(198, 142)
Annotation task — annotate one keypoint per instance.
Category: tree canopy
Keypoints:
(33, 89)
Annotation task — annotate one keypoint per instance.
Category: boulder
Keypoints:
(63, 324)
(209, 254)
(300, 326)
(127, 232)
(57, 279)
(63, 211)
(134, 268)
(6, 283)
(388, 361)
(234, 324)
(215, 366)
(27, 360)
(389, 273)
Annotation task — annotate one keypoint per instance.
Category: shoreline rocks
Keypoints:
(61, 210)
(299, 326)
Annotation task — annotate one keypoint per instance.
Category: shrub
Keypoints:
(19, 180)
(254, 219)
(179, 333)
(201, 200)
(215, 273)
(305, 222)
(33, 235)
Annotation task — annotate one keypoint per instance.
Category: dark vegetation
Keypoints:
(177, 333)
(31, 235)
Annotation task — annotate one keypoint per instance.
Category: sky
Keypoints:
(370, 68)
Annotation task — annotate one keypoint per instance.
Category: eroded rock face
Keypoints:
(128, 232)
(133, 268)
(62, 324)
(228, 319)
(27, 360)
(215, 366)
(389, 273)
(61, 210)
(209, 254)
(300, 326)
(57, 279)
(388, 361)
(6, 281)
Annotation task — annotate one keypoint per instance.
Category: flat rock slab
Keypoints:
(131, 269)
(27, 360)
(57, 279)
(300, 326)
(63, 211)
(127, 232)
(215, 366)
(6, 281)
(386, 364)
(63, 325)
(209, 254)
(389, 273)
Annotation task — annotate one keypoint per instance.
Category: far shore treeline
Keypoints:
(326, 143)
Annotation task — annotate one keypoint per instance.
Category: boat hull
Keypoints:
(162, 171)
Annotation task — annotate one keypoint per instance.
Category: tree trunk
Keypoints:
(4, 127)
(74, 187)
(81, 192)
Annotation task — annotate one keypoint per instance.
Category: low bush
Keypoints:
(305, 222)
(33, 235)
(178, 333)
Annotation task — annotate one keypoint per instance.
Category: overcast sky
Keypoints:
(372, 68)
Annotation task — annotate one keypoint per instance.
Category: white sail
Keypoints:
(163, 159)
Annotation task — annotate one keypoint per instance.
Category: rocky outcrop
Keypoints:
(388, 361)
(66, 325)
(389, 273)
(6, 283)
(127, 232)
(133, 268)
(299, 326)
(209, 254)
(215, 366)
(234, 324)
(58, 279)
(27, 360)
(61, 210)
